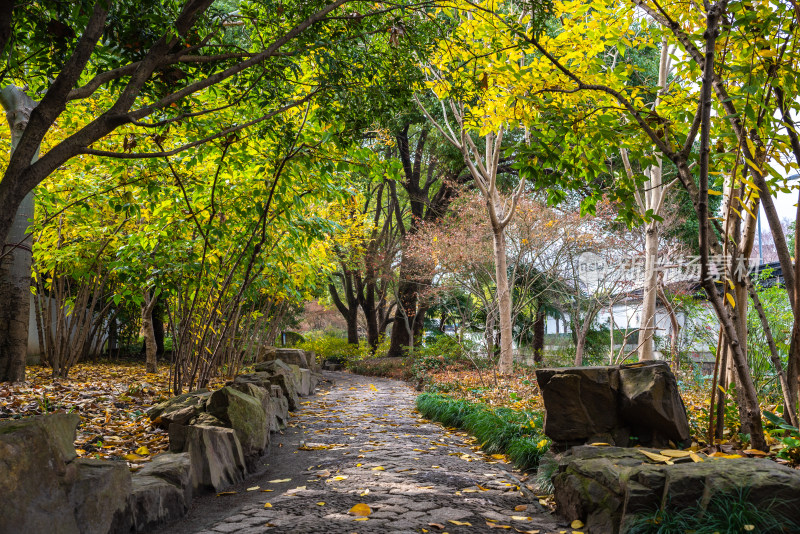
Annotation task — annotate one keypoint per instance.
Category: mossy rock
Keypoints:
(245, 414)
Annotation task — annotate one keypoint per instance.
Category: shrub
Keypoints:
(330, 347)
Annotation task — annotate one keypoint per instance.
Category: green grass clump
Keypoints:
(499, 430)
(726, 513)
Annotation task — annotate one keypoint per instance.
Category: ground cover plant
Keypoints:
(499, 431)
(732, 512)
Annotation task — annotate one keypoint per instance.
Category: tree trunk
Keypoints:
(366, 299)
(579, 346)
(406, 311)
(538, 335)
(506, 361)
(16, 256)
(750, 411)
(350, 310)
(148, 332)
(647, 327)
(158, 329)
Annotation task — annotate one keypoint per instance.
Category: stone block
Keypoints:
(36, 469)
(245, 414)
(612, 404)
(180, 409)
(155, 501)
(216, 456)
(605, 487)
(173, 468)
(99, 496)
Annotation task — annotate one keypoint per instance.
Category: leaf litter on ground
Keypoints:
(111, 399)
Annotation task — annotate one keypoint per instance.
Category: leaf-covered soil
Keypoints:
(111, 400)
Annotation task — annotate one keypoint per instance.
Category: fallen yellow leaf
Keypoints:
(321, 503)
(520, 518)
(361, 519)
(224, 493)
(254, 488)
(460, 523)
(495, 525)
(143, 451)
(676, 454)
(280, 480)
(723, 455)
(695, 458)
(267, 505)
(378, 468)
(361, 509)
(653, 456)
(576, 524)
(520, 507)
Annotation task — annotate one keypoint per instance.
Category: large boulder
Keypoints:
(155, 501)
(620, 405)
(99, 496)
(290, 356)
(216, 456)
(175, 469)
(179, 410)
(302, 380)
(282, 375)
(245, 414)
(651, 402)
(279, 409)
(607, 487)
(36, 469)
(577, 402)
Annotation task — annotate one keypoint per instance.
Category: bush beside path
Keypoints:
(359, 458)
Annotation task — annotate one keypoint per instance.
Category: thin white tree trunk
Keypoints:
(647, 327)
(506, 361)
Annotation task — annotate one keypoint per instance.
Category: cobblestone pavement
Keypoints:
(368, 446)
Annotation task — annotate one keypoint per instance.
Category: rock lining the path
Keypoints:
(606, 487)
(216, 439)
(624, 405)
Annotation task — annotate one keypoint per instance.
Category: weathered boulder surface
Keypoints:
(245, 414)
(154, 501)
(282, 375)
(216, 456)
(175, 469)
(291, 356)
(46, 488)
(180, 409)
(280, 409)
(99, 496)
(606, 487)
(36, 468)
(619, 405)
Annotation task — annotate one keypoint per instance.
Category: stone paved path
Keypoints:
(379, 452)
